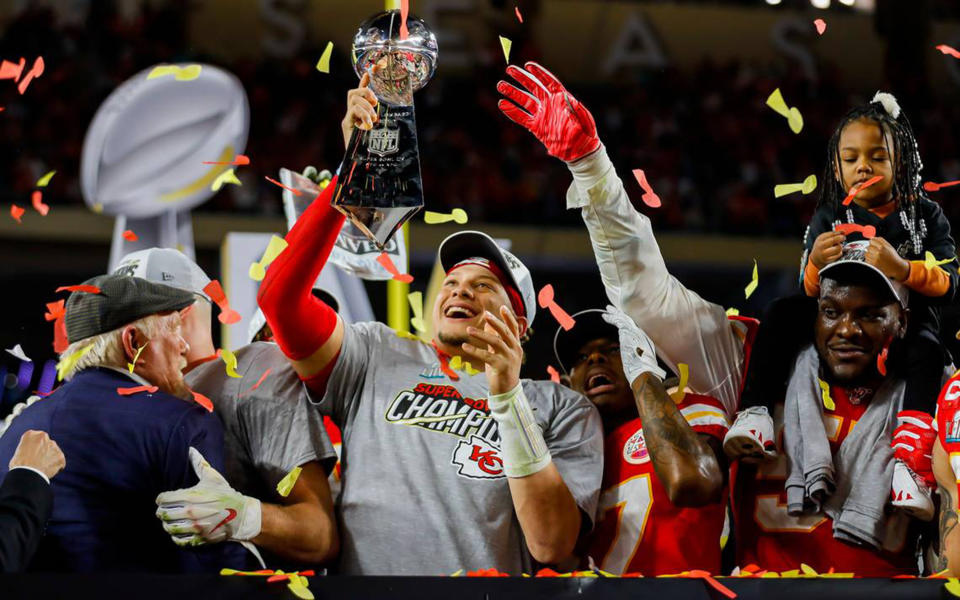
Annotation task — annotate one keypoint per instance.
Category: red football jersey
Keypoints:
(766, 535)
(638, 529)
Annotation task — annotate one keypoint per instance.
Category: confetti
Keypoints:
(733, 312)
(230, 360)
(458, 363)
(227, 315)
(506, 44)
(821, 26)
(239, 161)
(930, 186)
(825, 395)
(753, 282)
(129, 391)
(188, 73)
(678, 395)
(35, 71)
(867, 231)
(36, 199)
(386, 263)
(130, 236)
(323, 65)
(516, 10)
(949, 50)
(289, 480)
(136, 357)
(258, 270)
(228, 176)
(404, 11)
(458, 215)
(553, 373)
(930, 261)
(289, 189)
(298, 587)
(43, 181)
(16, 212)
(444, 363)
(202, 400)
(857, 188)
(87, 289)
(545, 299)
(56, 312)
(882, 359)
(416, 304)
(18, 352)
(952, 585)
(697, 574)
(12, 70)
(792, 115)
(262, 377)
(809, 184)
(67, 363)
(649, 197)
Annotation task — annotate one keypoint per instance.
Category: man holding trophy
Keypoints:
(443, 468)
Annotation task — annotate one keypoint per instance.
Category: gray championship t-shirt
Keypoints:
(423, 486)
(268, 430)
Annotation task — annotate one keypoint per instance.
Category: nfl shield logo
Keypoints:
(383, 141)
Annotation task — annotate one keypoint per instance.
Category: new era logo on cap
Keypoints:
(167, 266)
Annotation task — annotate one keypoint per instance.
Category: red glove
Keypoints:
(913, 443)
(549, 112)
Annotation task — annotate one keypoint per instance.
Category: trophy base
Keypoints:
(378, 223)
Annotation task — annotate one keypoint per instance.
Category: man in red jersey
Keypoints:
(661, 505)
(785, 517)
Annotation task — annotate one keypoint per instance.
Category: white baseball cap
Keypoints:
(853, 258)
(468, 244)
(165, 265)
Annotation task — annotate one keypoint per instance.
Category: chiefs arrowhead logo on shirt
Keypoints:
(442, 409)
(635, 450)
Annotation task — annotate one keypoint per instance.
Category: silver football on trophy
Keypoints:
(398, 67)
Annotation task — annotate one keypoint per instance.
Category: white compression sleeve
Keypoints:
(522, 446)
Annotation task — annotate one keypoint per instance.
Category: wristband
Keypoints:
(522, 446)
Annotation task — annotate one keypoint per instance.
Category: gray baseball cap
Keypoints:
(167, 266)
(853, 259)
(468, 244)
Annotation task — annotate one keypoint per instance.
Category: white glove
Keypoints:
(208, 512)
(636, 350)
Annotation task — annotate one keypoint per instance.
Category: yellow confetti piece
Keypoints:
(133, 365)
(733, 312)
(678, 395)
(407, 335)
(807, 186)
(808, 570)
(459, 364)
(323, 65)
(97, 208)
(506, 43)
(298, 586)
(66, 363)
(930, 261)
(289, 480)
(753, 282)
(43, 181)
(458, 215)
(416, 304)
(457, 573)
(258, 270)
(188, 73)
(825, 395)
(227, 176)
(230, 359)
(793, 116)
(953, 586)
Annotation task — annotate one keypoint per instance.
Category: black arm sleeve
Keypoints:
(940, 243)
(26, 502)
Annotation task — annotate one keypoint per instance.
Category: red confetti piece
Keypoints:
(130, 236)
(554, 375)
(516, 9)
(821, 26)
(404, 11)
(129, 391)
(202, 400)
(16, 212)
(89, 289)
(289, 189)
(882, 360)
(3, 108)
(56, 313)
(35, 71)
(930, 186)
(278, 577)
(240, 161)
(867, 231)
(697, 574)
(949, 50)
(487, 573)
(387, 263)
(36, 199)
(545, 299)
(649, 197)
(12, 70)
(445, 363)
(227, 315)
(858, 188)
(259, 381)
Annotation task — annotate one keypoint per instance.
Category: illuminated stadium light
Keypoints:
(848, 2)
(822, 4)
(774, 2)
